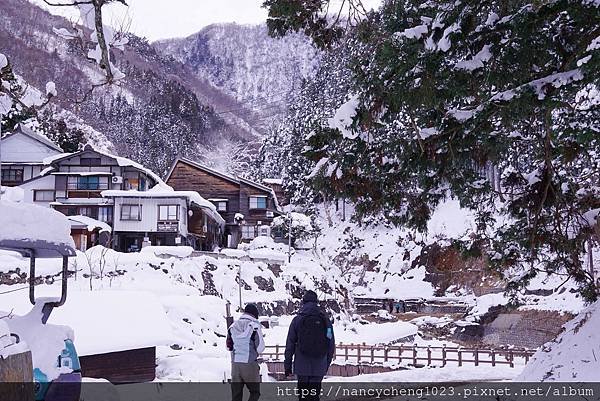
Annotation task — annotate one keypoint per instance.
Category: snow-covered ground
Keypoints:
(166, 297)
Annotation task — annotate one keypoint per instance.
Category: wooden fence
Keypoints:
(417, 356)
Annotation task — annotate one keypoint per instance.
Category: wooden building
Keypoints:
(247, 207)
(23, 154)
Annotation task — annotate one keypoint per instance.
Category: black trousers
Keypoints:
(309, 388)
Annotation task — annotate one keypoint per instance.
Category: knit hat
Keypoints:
(309, 296)
(251, 309)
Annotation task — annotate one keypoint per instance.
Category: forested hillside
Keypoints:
(158, 111)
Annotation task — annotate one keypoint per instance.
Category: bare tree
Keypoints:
(100, 40)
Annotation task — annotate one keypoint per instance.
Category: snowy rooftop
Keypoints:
(30, 132)
(121, 161)
(89, 223)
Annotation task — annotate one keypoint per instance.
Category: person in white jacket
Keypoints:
(246, 343)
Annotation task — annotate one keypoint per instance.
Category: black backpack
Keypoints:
(312, 336)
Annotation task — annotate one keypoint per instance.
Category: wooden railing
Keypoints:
(414, 355)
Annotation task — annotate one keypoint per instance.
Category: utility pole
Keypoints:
(289, 237)
(228, 317)
(0, 156)
(240, 286)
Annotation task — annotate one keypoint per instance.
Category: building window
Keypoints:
(85, 211)
(168, 213)
(90, 161)
(221, 205)
(248, 232)
(12, 175)
(87, 183)
(44, 196)
(131, 212)
(258, 202)
(105, 214)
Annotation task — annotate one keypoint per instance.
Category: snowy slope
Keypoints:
(574, 356)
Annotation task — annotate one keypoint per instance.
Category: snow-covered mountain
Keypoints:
(244, 62)
(159, 100)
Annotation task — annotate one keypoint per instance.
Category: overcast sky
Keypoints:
(161, 19)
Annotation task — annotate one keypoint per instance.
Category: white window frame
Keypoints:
(171, 213)
(38, 192)
(129, 216)
(254, 199)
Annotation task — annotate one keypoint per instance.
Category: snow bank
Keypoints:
(13, 194)
(100, 321)
(574, 356)
(177, 251)
(450, 374)
(111, 321)
(25, 222)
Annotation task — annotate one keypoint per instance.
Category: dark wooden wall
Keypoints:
(189, 178)
(186, 177)
(133, 366)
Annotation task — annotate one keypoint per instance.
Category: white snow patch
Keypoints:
(25, 222)
(344, 117)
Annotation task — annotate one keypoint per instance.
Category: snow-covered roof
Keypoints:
(121, 161)
(27, 131)
(34, 225)
(165, 191)
(89, 223)
(80, 173)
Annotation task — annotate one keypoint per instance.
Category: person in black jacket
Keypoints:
(311, 346)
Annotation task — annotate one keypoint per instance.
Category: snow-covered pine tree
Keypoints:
(292, 149)
(451, 88)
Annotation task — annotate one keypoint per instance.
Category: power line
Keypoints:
(15, 290)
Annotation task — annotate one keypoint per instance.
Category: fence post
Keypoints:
(358, 353)
(415, 355)
(400, 354)
(372, 354)
(277, 352)
(476, 357)
(459, 351)
(385, 353)
(345, 351)
(526, 357)
(443, 355)
(511, 358)
(493, 357)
